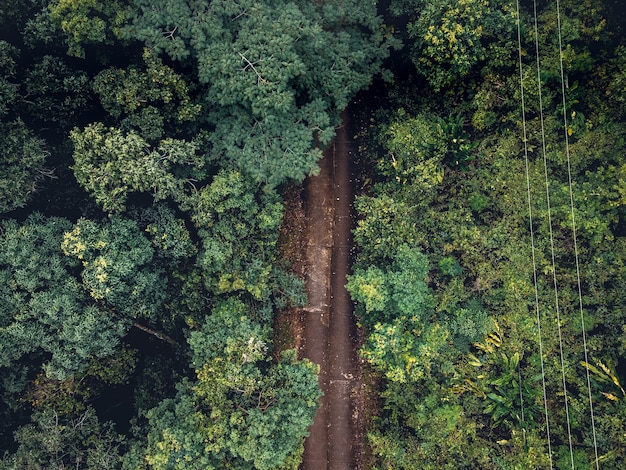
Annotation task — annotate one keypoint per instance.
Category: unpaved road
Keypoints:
(329, 333)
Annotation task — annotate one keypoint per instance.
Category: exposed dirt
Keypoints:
(326, 329)
(292, 238)
(292, 242)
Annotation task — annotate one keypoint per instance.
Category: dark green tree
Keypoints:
(22, 160)
(47, 315)
(54, 441)
(9, 85)
(56, 94)
(22, 153)
(275, 74)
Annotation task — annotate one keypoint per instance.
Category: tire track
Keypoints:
(329, 335)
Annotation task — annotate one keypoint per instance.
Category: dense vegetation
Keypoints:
(145, 148)
(445, 280)
(145, 145)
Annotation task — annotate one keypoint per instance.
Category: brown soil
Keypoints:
(292, 243)
(326, 327)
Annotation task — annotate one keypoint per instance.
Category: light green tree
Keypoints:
(403, 340)
(448, 38)
(151, 100)
(111, 164)
(238, 226)
(86, 22)
(244, 410)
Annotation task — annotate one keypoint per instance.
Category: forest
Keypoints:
(147, 148)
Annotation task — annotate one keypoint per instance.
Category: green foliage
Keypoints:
(468, 323)
(604, 378)
(415, 152)
(70, 396)
(243, 411)
(238, 226)
(402, 342)
(45, 309)
(146, 100)
(8, 89)
(13, 11)
(405, 350)
(473, 226)
(22, 159)
(229, 335)
(615, 90)
(55, 93)
(450, 266)
(369, 288)
(118, 266)
(87, 22)
(458, 146)
(388, 225)
(204, 109)
(289, 290)
(40, 29)
(276, 73)
(509, 398)
(610, 438)
(420, 147)
(478, 202)
(450, 38)
(401, 290)
(111, 164)
(425, 428)
(56, 442)
(168, 234)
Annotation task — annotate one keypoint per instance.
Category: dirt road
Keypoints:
(329, 333)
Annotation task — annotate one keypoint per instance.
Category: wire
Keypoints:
(556, 289)
(532, 237)
(571, 195)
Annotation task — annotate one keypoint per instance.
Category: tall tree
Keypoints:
(22, 153)
(87, 22)
(151, 99)
(238, 226)
(275, 73)
(118, 266)
(46, 314)
(244, 410)
(111, 164)
(448, 38)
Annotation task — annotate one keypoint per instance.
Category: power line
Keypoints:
(571, 195)
(554, 279)
(532, 238)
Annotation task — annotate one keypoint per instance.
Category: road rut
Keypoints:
(329, 332)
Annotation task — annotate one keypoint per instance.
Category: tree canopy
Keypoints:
(144, 150)
(147, 148)
(450, 182)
